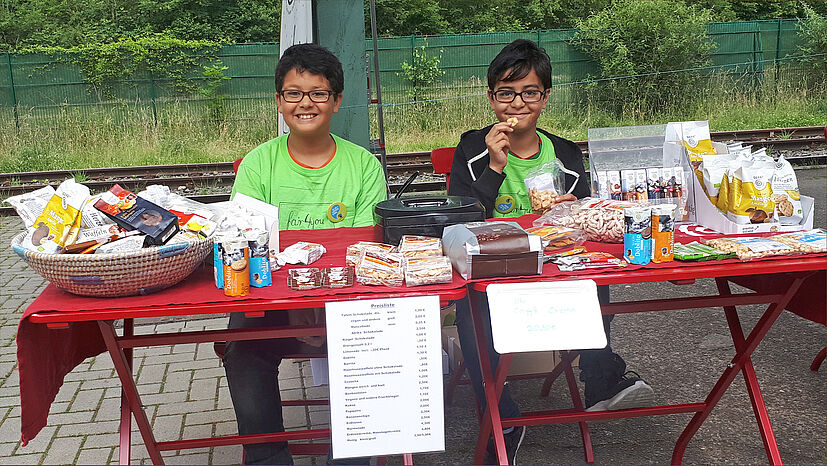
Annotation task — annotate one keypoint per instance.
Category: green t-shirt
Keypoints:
(343, 193)
(512, 198)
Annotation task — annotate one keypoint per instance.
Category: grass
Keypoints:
(122, 135)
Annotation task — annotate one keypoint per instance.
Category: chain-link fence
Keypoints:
(41, 90)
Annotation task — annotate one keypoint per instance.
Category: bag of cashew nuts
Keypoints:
(544, 185)
(600, 219)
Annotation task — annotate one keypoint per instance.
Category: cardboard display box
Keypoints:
(539, 362)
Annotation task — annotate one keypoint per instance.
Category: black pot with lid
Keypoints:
(425, 216)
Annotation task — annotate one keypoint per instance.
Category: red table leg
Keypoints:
(585, 434)
(491, 416)
(758, 406)
(130, 391)
(738, 361)
(125, 429)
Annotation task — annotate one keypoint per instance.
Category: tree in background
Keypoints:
(642, 42)
(813, 34)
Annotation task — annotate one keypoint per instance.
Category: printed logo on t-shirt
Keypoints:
(504, 203)
(303, 216)
(336, 212)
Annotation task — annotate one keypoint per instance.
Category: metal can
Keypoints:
(663, 232)
(637, 235)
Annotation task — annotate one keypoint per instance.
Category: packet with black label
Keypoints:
(135, 213)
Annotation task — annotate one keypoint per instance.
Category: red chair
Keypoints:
(441, 159)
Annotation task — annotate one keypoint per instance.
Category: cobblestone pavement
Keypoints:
(679, 353)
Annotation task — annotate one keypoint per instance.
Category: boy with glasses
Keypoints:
(491, 164)
(317, 180)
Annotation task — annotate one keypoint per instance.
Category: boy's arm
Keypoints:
(485, 188)
(374, 190)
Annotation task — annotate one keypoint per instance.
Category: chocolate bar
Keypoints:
(132, 212)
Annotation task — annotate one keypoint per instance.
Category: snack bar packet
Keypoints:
(420, 246)
(259, 261)
(544, 184)
(301, 253)
(59, 222)
(380, 268)
(132, 212)
(785, 193)
(750, 193)
(89, 237)
(304, 279)
(355, 250)
(427, 270)
(338, 277)
(30, 205)
(697, 252)
(556, 238)
(811, 241)
(131, 243)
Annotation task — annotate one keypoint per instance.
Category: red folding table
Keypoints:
(794, 269)
(59, 330)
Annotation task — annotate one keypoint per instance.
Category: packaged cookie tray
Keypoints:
(143, 271)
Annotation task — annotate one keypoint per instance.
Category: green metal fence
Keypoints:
(38, 88)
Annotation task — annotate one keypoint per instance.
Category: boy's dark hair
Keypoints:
(313, 59)
(516, 60)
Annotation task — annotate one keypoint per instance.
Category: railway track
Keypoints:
(201, 181)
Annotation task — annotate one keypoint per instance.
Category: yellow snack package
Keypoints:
(59, 223)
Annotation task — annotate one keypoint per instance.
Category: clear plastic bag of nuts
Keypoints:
(544, 185)
(600, 219)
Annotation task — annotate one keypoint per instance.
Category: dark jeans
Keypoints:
(252, 369)
(591, 360)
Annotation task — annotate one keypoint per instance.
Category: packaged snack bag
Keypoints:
(427, 270)
(420, 246)
(811, 241)
(750, 247)
(355, 250)
(380, 268)
(544, 185)
(338, 277)
(785, 193)
(59, 222)
(301, 252)
(30, 205)
(712, 173)
(750, 193)
(304, 279)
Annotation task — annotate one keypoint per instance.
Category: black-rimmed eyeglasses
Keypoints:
(507, 96)
(318, 96)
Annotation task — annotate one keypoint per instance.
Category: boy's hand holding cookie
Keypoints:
(498, 144)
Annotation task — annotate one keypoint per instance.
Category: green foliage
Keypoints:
(213, 79)
(422, 72)
(641, 41)
(61, 23)
(813, 34)
(107, 64)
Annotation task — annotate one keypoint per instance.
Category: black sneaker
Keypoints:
(513, 440)
(629, 392)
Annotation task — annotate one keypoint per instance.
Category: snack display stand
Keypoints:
(795, 270)
(59, 330)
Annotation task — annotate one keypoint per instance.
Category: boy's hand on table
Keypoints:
(313, 316)
(563, 198)
(498, 145)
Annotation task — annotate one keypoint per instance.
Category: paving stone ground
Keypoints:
(680, 354)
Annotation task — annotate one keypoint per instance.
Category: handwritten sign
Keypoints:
(545, 316)
(385, 364)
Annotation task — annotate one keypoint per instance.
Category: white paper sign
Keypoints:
(385, 364)
(545, 316)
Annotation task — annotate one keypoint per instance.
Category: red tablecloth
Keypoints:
(46, 355)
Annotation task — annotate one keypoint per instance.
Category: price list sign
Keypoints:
(385, 366)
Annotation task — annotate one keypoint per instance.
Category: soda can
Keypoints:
(637, 235)
(236, 265)
(663, 232)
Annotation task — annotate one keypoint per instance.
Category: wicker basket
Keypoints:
(117, 274)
